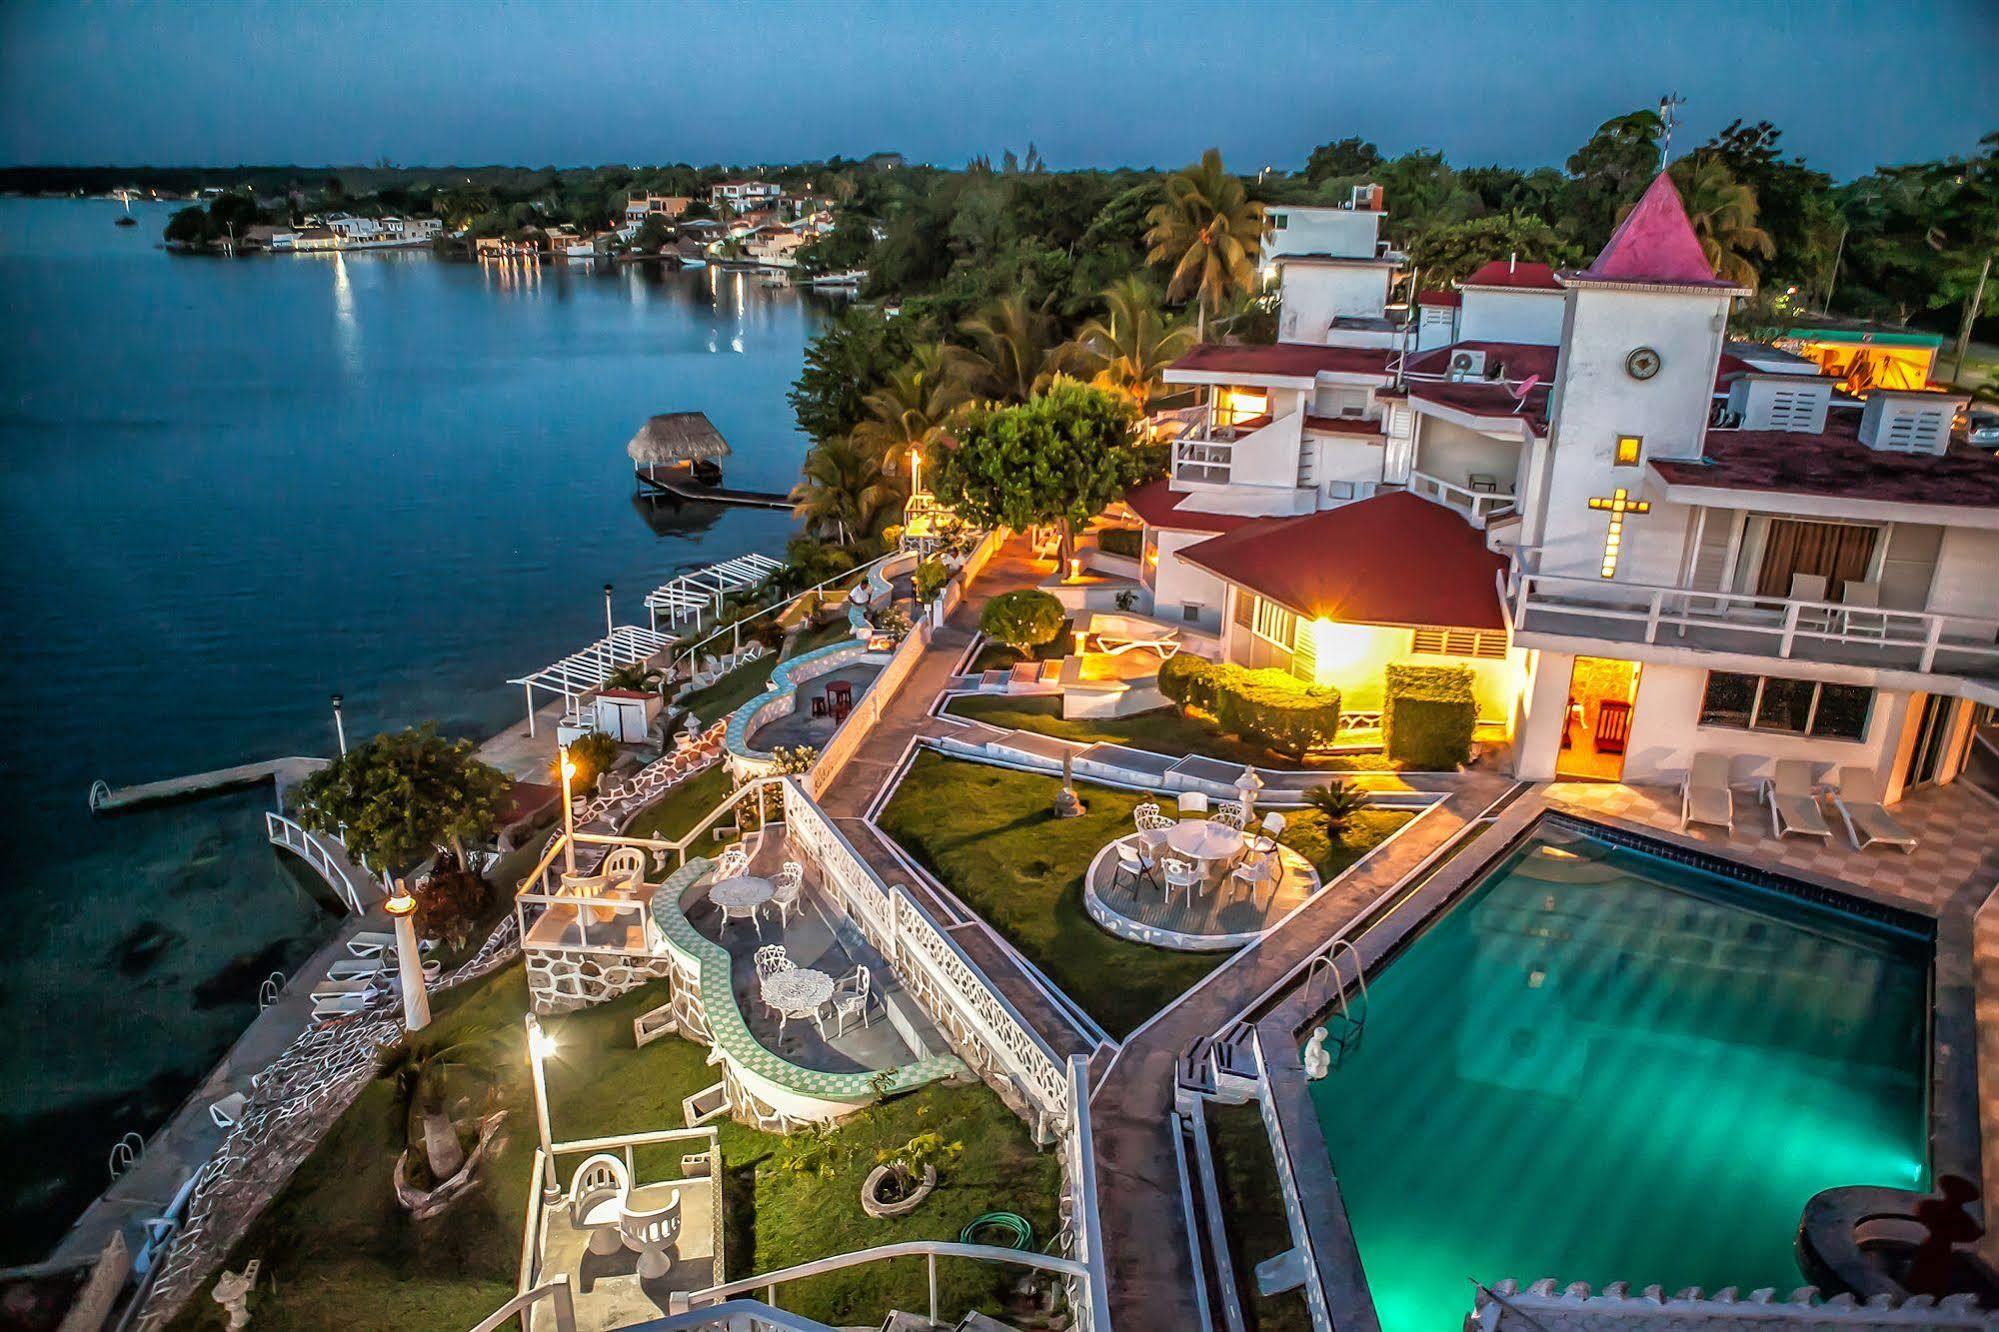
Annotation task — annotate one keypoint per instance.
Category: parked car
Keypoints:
(1982, 429)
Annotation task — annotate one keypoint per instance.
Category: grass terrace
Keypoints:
(989, 834)
(1246, 1176)
(345, 1255)
(730, 692)
(1162, 730)
(672, 815)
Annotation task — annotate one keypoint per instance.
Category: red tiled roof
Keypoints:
(1157, 505)
(1489, 400)
(1836, 463)
(1508, 273)
(1295, 359)
(1393, 559)
(1435, 297)
(1517, 359)
(1655, 243)
(1343, 425)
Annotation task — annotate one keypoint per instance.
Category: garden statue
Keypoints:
(1067, 804)
(1317, 1062)
(232, 1292)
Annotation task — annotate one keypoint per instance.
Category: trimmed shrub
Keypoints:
(1023, 619)
(1124, 541)
(594, 754)
(1429, 715)
(1272, 707)
(1276, 708)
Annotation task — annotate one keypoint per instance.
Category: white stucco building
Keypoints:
(1645, 540)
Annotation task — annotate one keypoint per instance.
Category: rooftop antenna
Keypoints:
(1669, 120)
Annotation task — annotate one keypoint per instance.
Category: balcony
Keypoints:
(1479, 507)
(1203, 461)
(1929, 650)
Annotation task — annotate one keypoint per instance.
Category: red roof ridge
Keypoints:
(1513, 273)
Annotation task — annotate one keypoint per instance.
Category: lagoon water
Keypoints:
(233, 488)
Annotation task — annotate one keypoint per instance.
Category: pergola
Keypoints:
(686, 597)
(580, 672)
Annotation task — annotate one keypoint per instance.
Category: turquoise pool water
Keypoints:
(1600, 1066)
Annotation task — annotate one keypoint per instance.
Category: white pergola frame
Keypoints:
(690, 595)
(580, 672)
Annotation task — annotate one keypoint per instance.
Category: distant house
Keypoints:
(641, 206)
(315, 238)
(776, 246)
(743, 195)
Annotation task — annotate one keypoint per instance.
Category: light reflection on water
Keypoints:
(235, 487)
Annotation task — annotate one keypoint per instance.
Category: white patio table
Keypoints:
(742, 893)
(800, 992)
(1205, 840)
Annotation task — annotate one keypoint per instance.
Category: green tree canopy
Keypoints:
(1023, 619)
(1061, 457)
(397, 797)
(1451, 251)
(1209, 232)
(1351, 156)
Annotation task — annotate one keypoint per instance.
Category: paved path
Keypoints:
(904, 718)
(1147, 1249)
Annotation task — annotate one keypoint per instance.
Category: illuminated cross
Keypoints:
(1617, 504)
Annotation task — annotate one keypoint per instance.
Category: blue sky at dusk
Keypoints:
(1093, 84)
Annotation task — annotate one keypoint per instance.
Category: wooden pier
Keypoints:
(679, 487)
(286, 772)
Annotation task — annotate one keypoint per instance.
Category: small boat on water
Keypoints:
(127, 220)
(851, 278)
(677, 457)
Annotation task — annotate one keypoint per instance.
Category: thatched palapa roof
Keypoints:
(677, 437)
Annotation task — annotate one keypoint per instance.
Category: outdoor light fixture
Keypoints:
(401, 907)
(568, 766)
(1616, 504)
(540, 1046)
(402, 904)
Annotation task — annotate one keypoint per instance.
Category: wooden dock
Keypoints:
(681, 489)
(286, 772)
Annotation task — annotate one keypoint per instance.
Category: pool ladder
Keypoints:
(1346, 1021)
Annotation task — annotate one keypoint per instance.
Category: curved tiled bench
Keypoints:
(780, 697)
(804, 1090)
(881, 583)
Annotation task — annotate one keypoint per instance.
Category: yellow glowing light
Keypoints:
(401, 904)
(540, 1043)
(568, 767)
(1628, 448)
(1075, 568)
(1616, 504)
(1338, 649)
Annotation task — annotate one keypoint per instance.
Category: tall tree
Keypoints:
(1211, 232)
(1351, 156)
(853, 355)
(1128, 347)
(911, 411)
(1791, 198)
(1452, 251)
(843, 493)
(1062, 457)
(1609, 171)
(1014, 352)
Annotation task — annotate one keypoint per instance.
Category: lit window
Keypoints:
(1788, 707)
(1275, 624)
(1628, 449)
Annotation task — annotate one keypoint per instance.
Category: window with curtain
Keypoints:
(1840, 553)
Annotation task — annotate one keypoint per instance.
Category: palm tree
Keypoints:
(1128, 349)
(1723, 211)
(1013, 354)
(912, 410)
(1210, 230)
(844, 493)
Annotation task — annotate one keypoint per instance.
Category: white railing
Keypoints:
(929, 1250)
(1203, 460)
(561, 1299)
(1901, 639)
(290, 835)
(1480, 506)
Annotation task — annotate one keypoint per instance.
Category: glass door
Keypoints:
(1934, 729)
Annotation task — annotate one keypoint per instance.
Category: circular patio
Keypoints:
(1219, 916)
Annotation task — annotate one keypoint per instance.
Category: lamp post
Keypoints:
(1246, 787)
(339, 726)
(609, 628)
(568, 815)
(540, 1046)
(409, 963)
(915, 471)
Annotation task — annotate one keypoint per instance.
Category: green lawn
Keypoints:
(811, 640)
(683, 807)
(344, 1255)
(989, 835)
(730, 692)
(1246, 1177)
(1163, 731)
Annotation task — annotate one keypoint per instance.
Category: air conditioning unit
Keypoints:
(1468, 365)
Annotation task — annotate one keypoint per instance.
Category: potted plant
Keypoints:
(904, 1176)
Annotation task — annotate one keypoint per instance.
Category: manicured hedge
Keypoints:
(1124, 541)
(1272, 707)
(1429, 715)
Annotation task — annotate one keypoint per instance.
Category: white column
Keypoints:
(568, 814)
(409, 962)
(540, 1046)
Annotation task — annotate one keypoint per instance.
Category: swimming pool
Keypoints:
(1602, 1066)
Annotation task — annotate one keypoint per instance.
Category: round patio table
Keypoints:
(744, 891)
(1205, 840)
(800, 992)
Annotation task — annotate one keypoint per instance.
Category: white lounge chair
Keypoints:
(365, 968)
(597, 1194)
(1193, 803)
(379, 943)
(1866, 817)
(625, 866)
(338, 1005)
(1794, 802)
(1705, 795)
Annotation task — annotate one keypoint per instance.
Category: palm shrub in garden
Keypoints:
(1339, 801)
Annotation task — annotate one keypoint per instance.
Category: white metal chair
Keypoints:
(790, 889)
(1135, 861)
(597, 1194)
(748, 913)
(1794, 802)
(1255, 871)
(1193, 803)
(850, 999)
(1264, 842)
(1184, 875)
(1860, 807)
(1231, 814)
(771, 959)
(733, 863)
(649, 1233)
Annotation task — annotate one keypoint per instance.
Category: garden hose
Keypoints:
(1014, 1232)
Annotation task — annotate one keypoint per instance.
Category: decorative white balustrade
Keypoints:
(1478, 506)
(293, 837)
